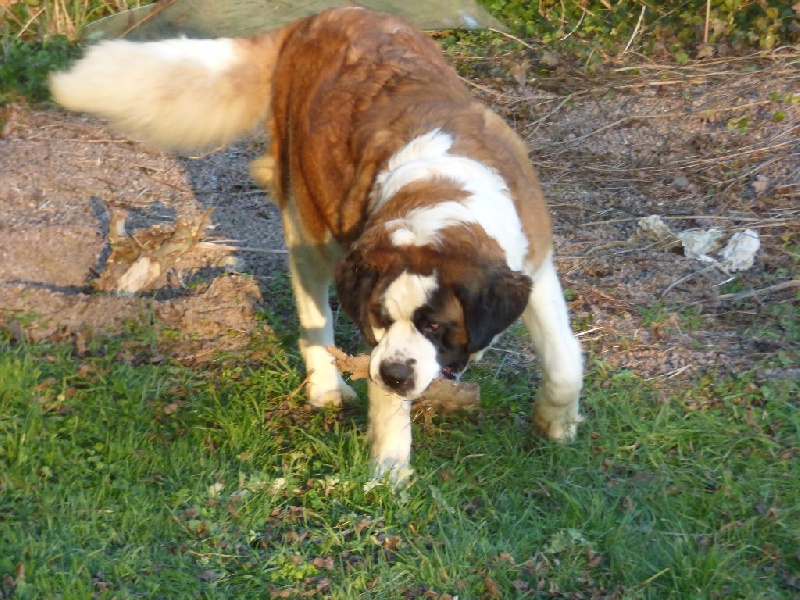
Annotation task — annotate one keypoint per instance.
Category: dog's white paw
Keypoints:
(394, 472)
(561, 425)
(330, 398)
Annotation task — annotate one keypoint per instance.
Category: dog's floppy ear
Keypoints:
(493, 304)
(355, 279)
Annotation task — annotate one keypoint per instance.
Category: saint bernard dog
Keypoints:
(415, 200)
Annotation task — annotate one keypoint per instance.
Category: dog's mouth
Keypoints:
(447, 373)
(450, 374)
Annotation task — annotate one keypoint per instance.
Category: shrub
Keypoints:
(675, 23)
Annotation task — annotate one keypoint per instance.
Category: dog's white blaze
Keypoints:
(401, 341)
(407, 293)
(488, 205)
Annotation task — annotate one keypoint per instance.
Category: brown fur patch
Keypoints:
(419, 194)
(350, 88)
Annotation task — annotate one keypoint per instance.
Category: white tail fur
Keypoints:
(179, 94)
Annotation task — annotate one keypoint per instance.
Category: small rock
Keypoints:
(680, 182)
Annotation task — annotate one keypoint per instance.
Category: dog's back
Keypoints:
(352, 87)
(187, 94)
(338, 91)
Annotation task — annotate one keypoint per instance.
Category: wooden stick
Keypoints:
(772, 288)
(443, 394)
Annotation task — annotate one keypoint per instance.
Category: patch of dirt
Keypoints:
(714, 144)
(710, 145)
(67, 182)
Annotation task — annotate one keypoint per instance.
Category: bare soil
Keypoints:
(712, 144)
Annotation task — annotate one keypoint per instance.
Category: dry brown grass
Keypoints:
(59, 17)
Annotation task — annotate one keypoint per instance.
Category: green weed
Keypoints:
(25, 66)
(587, 27)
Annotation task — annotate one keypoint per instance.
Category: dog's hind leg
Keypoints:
(311, 268)
(555, 413)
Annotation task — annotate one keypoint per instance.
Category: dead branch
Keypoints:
(785, 285)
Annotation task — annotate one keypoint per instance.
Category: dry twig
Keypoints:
(443, 394)
(635, 31)
(785, 285)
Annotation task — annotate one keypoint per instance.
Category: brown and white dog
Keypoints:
(417, 200)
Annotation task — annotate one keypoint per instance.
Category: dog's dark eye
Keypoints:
(430, 327)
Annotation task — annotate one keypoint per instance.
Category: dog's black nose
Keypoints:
(399, 376)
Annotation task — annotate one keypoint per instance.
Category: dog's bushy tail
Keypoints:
(179, 94)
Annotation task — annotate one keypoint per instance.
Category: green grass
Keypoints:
(142, 480)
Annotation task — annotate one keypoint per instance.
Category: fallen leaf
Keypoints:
(446, 474)
(519, 71)
(275, 592)
(323, 563)
(362, 525)
(705, 51)
(594, 559)
(322, 584)
(761, 184)
(520, 585)
(43, 385)
(491, 588)
(505, 557)
(215, 489)
(628, 504)
(550, 59)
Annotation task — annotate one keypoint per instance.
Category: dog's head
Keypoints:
(426, 311)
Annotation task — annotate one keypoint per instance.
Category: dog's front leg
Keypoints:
(389, 433)
(311, 268)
